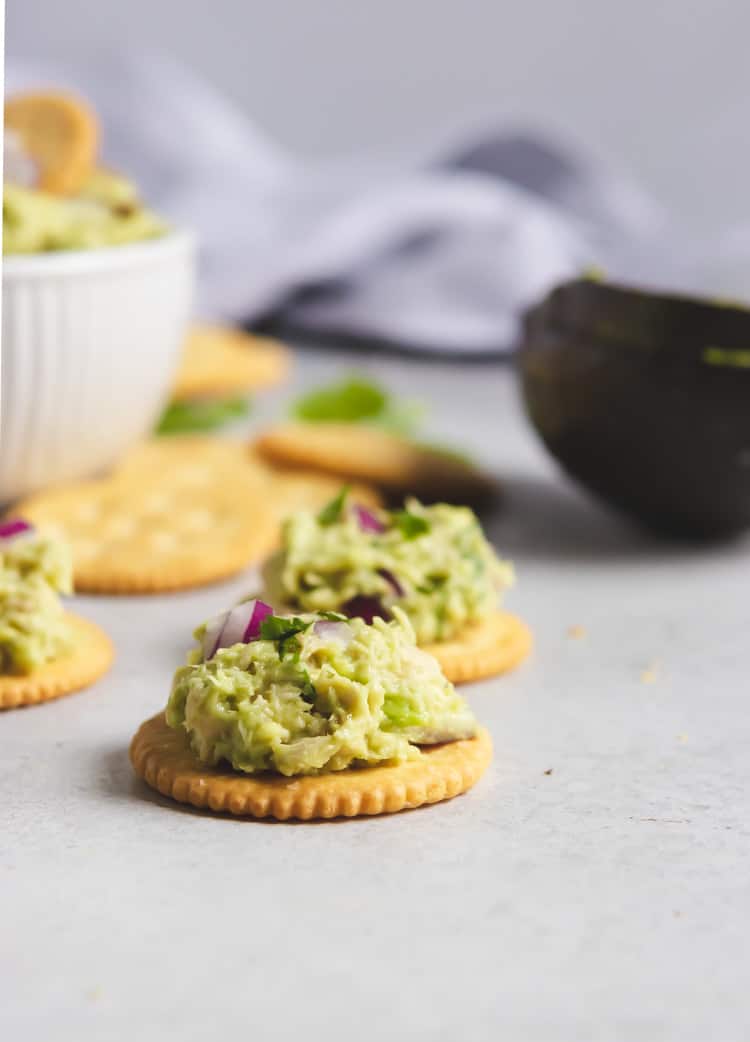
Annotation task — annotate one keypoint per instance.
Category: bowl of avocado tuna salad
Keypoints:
(97, 294)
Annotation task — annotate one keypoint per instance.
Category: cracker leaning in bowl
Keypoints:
(219, 361)
(96, 295)
(57, 137)
(45, 651)
(311, 716)
(356, 452)
(174, 514)
(431, 562)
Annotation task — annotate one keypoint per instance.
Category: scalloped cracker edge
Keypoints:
(91, 656)
(162, 757)
(496, 645)
(355, 452)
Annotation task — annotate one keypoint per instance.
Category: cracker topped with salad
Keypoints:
(433, 563)
(310, 715)
(45, 651)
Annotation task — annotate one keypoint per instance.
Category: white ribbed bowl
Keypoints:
(90, 343)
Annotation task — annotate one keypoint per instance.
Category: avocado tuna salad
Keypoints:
(106, 211)
(311, 693)
(432, 562)
(34, 571)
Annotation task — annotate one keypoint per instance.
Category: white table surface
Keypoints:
(606, 900)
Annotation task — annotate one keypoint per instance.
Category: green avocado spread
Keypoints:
(313, 695)
(106, 212)
(34, 571)
(432, 562)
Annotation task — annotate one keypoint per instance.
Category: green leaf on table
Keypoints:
(349, 401)
(194, 417)
(357, 399)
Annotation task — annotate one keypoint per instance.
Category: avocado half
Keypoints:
(645, 399)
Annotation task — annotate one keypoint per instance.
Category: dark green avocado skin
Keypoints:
(645, 399)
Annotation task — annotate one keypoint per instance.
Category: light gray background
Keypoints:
(659, 86)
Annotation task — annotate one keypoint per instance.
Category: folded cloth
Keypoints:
(437, 254)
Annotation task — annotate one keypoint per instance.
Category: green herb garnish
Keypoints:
(357, 399)
(307, 691)
(198, 416)
(432, 583)
(410, 525)
(333, 510)
(282, 631)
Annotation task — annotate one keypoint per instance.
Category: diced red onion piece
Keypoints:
(260, 612)
(330, 629)
(366, 520)
(392, 581)
(365, 607)
(16, 526)
(240, 625)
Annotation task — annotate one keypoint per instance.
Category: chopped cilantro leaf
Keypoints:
(283, 631)
(308, 692)
(332, 511)
(410, 525)
(333, 616)
(432, 583)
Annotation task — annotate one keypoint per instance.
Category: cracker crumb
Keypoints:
(576, 632)
(650, 673)
(682, 738)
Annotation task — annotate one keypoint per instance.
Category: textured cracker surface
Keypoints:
(176, 513)
(219, 360)
(359, 453)
(90, 657)
(162, 757)
(497, 645)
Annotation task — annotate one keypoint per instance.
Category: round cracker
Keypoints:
(219, 360)
(358, 453)
(291, 488)
(162, 757)
(496, 645)
(60, 132)
(176, 513)
(90, 657)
